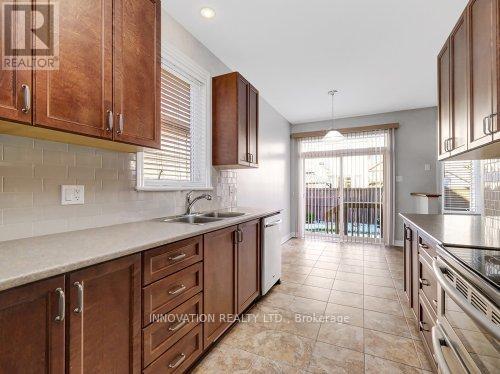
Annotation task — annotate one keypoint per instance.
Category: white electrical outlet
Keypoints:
(72, 195)
(427, 167)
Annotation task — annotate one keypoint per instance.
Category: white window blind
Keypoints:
(459, 186)
(183, 161)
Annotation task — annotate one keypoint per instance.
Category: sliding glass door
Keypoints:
(343, 187)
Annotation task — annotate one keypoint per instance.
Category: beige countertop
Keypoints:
(31, 259)
(458, 230)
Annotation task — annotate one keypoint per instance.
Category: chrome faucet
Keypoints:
(190, 203)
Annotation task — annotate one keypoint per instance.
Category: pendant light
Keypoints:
(332, 134)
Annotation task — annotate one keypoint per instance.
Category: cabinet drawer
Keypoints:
(166, 294)
(162, 261)
(427, 280)
(427, 245)
(178, 358)
(427, 320)
(161, 335)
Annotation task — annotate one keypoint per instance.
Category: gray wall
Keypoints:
(416, 145)
(269, 185)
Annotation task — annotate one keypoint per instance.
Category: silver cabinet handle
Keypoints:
(490, 128)
(178, 257)
(177, 326)
(26, 98)
(239, 232)
(486, 125)
(423, 246)
(79, 307)
(121, 121)
(275, 223)
(179, 361)
(177, 290)
(438, 342)
(446, 145)
(424, 282)
(422, 324)
(110, 121)
(463, 303)
(61, 305)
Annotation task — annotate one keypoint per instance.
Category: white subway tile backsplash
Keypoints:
(32, 175)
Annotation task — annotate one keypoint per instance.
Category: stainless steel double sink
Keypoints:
(202, 218)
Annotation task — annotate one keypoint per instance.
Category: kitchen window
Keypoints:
(461, 187)
(184, 159)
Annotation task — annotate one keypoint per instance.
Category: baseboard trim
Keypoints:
(398, 243)
(286, 238)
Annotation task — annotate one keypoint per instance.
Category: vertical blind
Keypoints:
(343, 186)
(459, 181)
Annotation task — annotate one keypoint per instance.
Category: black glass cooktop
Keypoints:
(484, 262)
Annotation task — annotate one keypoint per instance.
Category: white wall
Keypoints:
(416, 145)
(269, 185)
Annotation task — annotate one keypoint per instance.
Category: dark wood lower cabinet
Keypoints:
(408, 234)
(219, 271)
(104, 317)
(31, 340)
(248, 257)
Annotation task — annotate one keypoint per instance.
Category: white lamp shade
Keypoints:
(334, 135)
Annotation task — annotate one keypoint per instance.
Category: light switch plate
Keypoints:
(427, 167)
(72, 195)
(399, 178)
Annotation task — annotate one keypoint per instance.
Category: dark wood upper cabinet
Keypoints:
(31, 339)
(468, 64)
(219, 280)
(459, 87)
(444, 100)
(106, 85)
(137, 59)
(483, 24)
(78, 95)
(104, 317)
(235, 122)
(248, 257)
(15, 89)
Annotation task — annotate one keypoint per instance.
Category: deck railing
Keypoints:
(362, 211)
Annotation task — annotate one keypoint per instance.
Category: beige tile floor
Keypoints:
(339, 309)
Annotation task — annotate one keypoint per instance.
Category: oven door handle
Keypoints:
(463, 303)
(439, 341)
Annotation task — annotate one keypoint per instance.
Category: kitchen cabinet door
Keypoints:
(219, 280)
(444, 101)
(77, 97)
(408, 235)
(253, 125)
(483, 86)
(459, 87)
(104, 317)
(15, 86)
(31, 335)
(137, 72)
(248, 258)
(243, 151)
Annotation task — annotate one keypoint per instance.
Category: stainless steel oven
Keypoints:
(466, 337)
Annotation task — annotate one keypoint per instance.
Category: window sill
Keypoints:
(171, 189)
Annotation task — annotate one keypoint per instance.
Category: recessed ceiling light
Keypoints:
(207, 12)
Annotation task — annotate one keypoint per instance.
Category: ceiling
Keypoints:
(380, 54)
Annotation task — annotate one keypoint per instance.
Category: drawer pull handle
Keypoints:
(177, 326)
(62, 305)
(179, 361)
(423, 246)
(79, 307)
(435, 302)
(26, 99)
(178, 257)
(422, 328)
(424, 282)
(177, 290)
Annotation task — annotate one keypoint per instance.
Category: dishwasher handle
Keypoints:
(275, 223)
